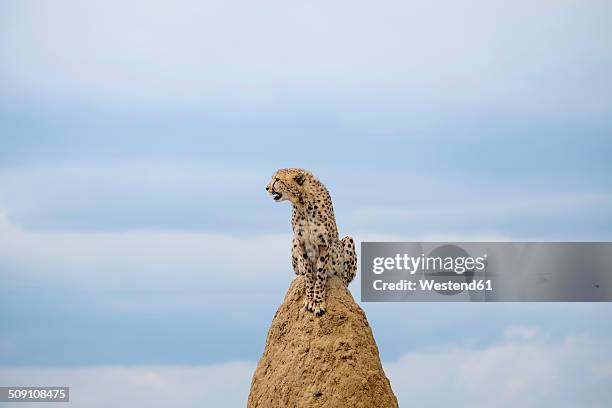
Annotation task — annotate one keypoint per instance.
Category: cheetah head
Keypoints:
(287, 184)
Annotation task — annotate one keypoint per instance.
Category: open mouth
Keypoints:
(277, 196)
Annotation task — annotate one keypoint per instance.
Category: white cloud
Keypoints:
(119, 194)
(521, 332)
(140, 259)
(532, 371)
(150, 259)
(527, 369)
(78, 186)
(219, 385)
(533, 203)
(513, 56)
(170, 259)
(464, 218)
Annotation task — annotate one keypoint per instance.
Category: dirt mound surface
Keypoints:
(328, 361)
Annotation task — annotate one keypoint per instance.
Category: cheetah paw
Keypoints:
(318, 308)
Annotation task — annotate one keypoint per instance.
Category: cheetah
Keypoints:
(316, 249)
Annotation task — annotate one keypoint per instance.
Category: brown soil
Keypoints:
(328, 361)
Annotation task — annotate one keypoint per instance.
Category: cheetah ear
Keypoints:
(300, 178)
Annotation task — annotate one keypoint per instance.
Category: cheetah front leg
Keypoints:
(309, 292)
(297, 258)
(317, 302)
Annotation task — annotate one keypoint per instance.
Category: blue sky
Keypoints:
(136, 238)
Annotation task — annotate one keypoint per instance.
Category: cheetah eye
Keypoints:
(299, 178)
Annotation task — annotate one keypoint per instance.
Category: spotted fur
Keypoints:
(316, 248)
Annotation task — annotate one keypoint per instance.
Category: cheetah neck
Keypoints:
(301, 207)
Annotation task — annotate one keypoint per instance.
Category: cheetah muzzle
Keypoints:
(316, 248)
